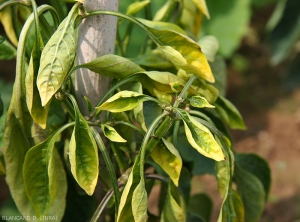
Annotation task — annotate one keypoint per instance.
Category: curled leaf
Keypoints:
(200, 102)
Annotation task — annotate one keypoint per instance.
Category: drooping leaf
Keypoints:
(200, 102)
(252, 193)
(112, 66)
(174, 207)
(232, 209)
(168, 158)
(83, 155)
(228, 22)
(257, 166)
(135, 7)
(139, 202)
(57, 57)
(7, 22)
(122, 101)
(7, 51)
(229, 113)
(201, 138)
(40, 175)
(201, 205)
(111, 133)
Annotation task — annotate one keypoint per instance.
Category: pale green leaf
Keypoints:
(201, 5)
(7, 22)
(168, 158)
(229, 113)
(209, 46)
(39, 174)
(83, 154)
(139, 202)
(57, 57)
(174, 207)
(199, 102)
(169, 11)
(201, 138)
(135, 7)
(112, 66)
(112, 134)
(122, 101)
(252, 193)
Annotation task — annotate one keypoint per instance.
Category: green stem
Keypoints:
(146, 140)
(175, 133)
(110, 167)
(12, 2)
(119, 158)
(156, 177)
(184, 90)
(129, 18)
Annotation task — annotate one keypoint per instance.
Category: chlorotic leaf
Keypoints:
(57, 57)
(122, 101)
(139, 202)
(136, 7)
(201, 138)
(83, 154)
(112, 66)
(39, 175)
(112, 134)
(200, 102)
(174, 206)
(168, 158)
(232, 208)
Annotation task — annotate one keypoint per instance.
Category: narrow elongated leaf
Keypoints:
(252, 193)
(139, 202)
(112, 66)
(57, 57)
(39, 175)
(232, 208)
(201, 138)
(83, 154)
(136, 7)
(7, 22)
(122, 101)
(229, 113)
(174, 207)
(200, 102)
(168, 158)
(112, 134)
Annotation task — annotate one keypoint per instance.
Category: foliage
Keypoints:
(164, 114)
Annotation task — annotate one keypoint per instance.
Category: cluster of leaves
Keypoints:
(164, 115)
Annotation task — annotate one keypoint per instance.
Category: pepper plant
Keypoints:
(161, 122)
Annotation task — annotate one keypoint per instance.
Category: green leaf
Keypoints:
(229, 23)
(7, 51)
(229, 113)
(153, 59)
(83, 155)
(168, 158)
(286, 33)
(2, 164)
(201, 138)
(139, 202)
(122, 101)
(218, 67)
(112, 66)
(252, 193)
(135, 7)
(112, 134)
(151, 111)
(40, 175)
(232, 208)
(200, 102)
(57, 57)
(201, 205)
(257, 166)
(174, 207)
(2, 39)
(210, 46)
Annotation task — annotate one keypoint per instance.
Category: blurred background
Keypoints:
(258, 46)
